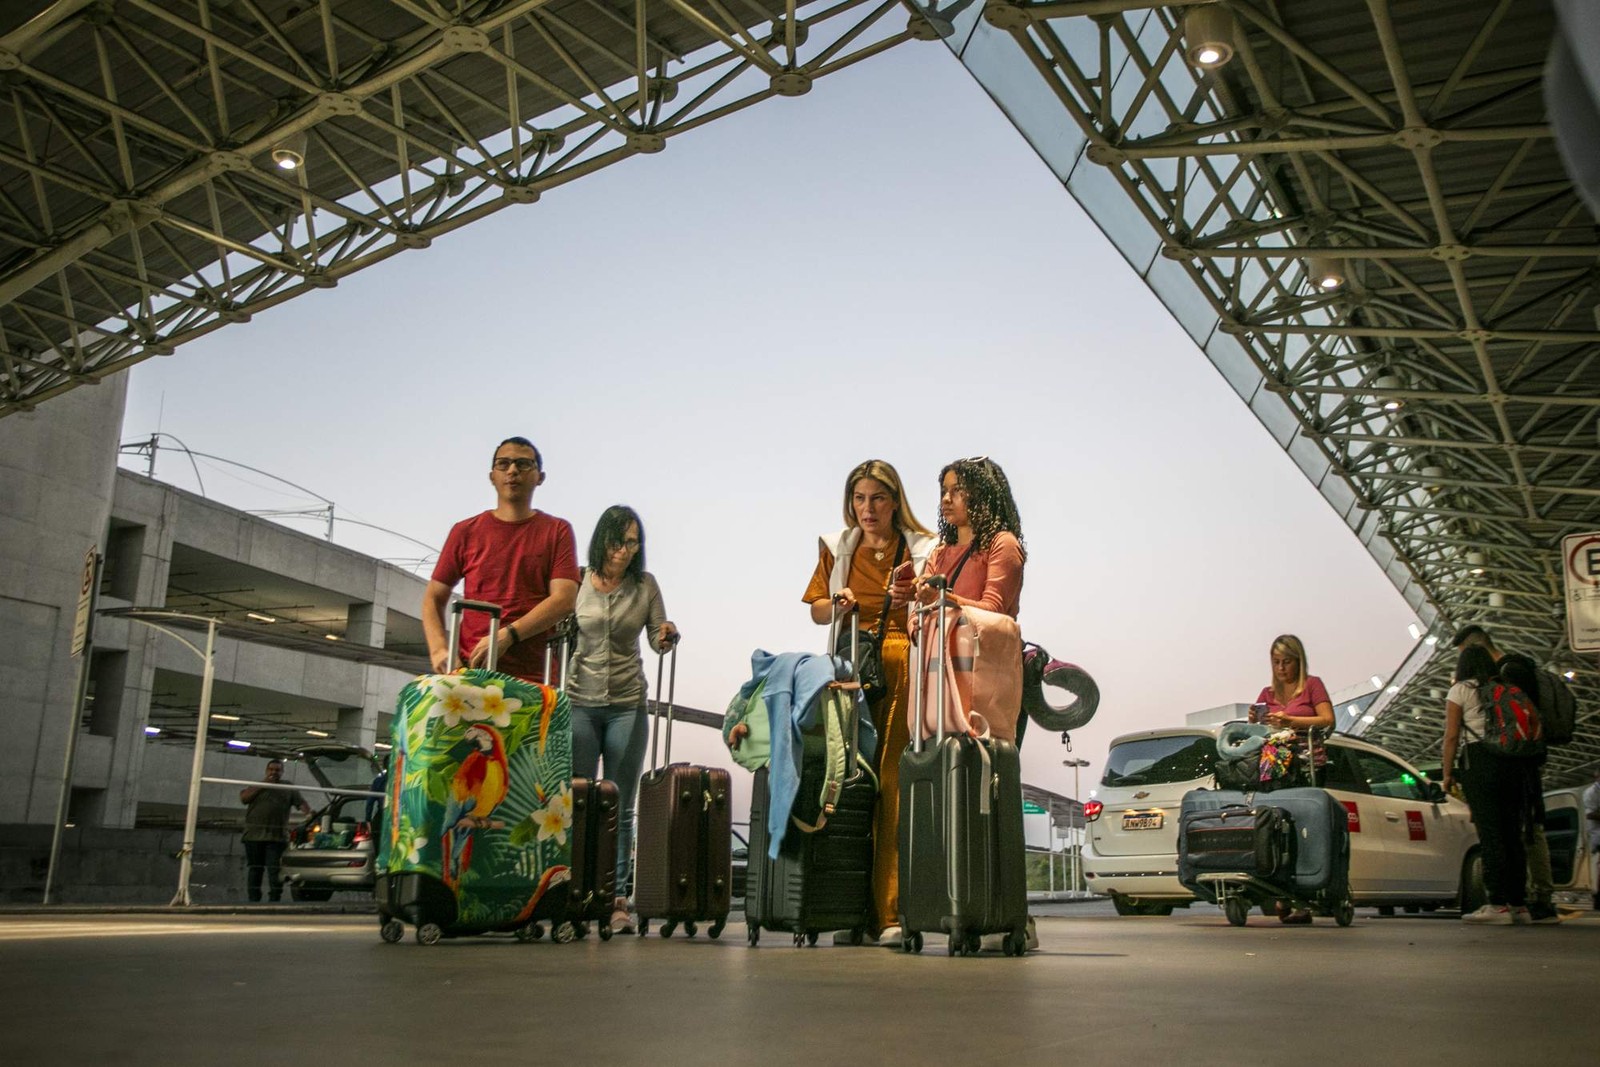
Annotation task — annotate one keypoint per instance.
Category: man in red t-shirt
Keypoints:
(522, 559)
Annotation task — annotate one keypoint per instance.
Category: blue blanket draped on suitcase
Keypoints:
(794, 682)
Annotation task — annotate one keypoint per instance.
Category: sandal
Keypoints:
(1297, 918)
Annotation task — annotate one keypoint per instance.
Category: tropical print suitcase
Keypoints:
(478, 826)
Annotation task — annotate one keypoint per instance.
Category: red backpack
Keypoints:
(1511, 723)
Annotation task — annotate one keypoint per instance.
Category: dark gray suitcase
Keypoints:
(1256, 841)
(963, 864)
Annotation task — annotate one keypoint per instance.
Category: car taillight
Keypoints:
(1092, 810)
(363, 832)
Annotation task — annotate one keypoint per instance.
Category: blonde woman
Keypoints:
(870, 564)
(1297, 700)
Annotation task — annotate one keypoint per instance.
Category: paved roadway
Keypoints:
(279, 987)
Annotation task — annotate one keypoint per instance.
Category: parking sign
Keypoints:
(1580, 557)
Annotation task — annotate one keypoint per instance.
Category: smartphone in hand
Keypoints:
(1258, 712)
(904, 573)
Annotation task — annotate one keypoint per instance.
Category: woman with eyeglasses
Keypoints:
(617, 601)
(869, 565)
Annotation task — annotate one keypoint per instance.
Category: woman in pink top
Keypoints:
(1299, 701)
(980, 551)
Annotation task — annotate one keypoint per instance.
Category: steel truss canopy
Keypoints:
(1355, 209)
(170, 166)
(1358, 212)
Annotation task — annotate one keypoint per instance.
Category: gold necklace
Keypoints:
(879, 553)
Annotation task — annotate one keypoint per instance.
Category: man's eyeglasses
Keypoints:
(505, 463)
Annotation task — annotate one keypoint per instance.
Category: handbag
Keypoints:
(869, 654)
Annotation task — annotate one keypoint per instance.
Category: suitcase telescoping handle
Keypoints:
(923, 656)
(671, 691)
(564, 630)
(493, 611)
(852, 756)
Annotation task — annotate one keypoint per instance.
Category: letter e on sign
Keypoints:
(86, 591)
(1580, 572)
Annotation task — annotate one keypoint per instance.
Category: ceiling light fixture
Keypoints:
(256, 615)
(1388, 383)
(1208, 36)
(151, 731)
(317, 733)
(289, 152)
(333, 637)
(1475, 563)
(1569, 675)
(234, 742)
(1377, 683)
(220, 717)
(1325, 273)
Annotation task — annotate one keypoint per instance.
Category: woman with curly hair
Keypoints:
(980, 551)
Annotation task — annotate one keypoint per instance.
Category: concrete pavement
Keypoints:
(242, 989)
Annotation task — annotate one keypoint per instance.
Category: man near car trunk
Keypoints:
(266, 831)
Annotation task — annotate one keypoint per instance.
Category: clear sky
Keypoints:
(715, 335)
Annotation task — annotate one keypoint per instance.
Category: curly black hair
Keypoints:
(990, 506)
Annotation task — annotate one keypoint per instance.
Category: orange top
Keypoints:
(869, 581)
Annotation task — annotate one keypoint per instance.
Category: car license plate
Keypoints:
(1142, 820)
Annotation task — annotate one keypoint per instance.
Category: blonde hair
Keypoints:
(883, 472)
(1291, 646)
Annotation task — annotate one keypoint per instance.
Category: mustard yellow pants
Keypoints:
(889, 717)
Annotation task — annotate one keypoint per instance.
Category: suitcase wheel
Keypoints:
(753, 935)
(1345, 914)
(605, 931)
(392, 930)
(563, 933)
(954, 943)
(644, 927)
(667, 928)
(529, 932)
(911, 943)
(690, 929)
(581, 929)
(716, 929)
(429, 934)
(1237, 909)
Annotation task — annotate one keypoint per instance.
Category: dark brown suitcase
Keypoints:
(595, 808)
(683, 872)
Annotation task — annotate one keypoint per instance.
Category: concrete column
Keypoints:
(357, 726)
(366, 624)
(57, 471)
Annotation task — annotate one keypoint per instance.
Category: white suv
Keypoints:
(1410, 845)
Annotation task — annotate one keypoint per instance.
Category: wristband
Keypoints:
(515, 637)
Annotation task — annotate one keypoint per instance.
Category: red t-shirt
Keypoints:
(510, 564)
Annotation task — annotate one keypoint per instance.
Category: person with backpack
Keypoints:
(1553, 700)
(1497, 769)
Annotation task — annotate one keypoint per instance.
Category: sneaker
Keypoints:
(1520, 916)
(1032, 943)
(1544, 914)
(848, 937)
(1490, 915)
(891, 937)
(621, 922)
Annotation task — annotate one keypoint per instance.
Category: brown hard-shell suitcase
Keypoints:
(683, 871)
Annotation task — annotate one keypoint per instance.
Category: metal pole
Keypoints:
(192, 816)
(70, 756)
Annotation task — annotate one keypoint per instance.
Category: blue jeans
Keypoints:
(616, 733)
